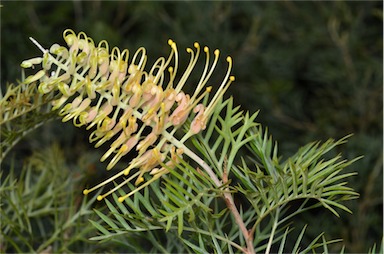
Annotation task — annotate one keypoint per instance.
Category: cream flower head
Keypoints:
(120, 101)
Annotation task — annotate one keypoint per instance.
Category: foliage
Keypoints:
(304, 176)
(40, 209)
(23, 110)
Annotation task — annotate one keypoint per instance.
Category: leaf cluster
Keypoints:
(23, 109)
(41, 210)
(188, 207)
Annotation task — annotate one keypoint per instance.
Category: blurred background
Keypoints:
(313, 69)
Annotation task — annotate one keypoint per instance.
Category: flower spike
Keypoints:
(119, 100)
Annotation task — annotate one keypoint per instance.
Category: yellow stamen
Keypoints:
(204, 78)
(223, 87)
(154, 178)
(100, 197)
(124, 149)
(176, 65)
(191, 65)
(86, 191)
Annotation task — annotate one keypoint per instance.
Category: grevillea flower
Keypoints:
(120, 101)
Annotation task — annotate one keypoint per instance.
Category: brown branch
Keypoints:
(248, 236)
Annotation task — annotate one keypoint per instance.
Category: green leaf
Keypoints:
(115, 213)
(106, 220)
(296, 248)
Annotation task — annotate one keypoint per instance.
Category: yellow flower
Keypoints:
(120, 101)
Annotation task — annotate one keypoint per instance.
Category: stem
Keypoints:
(227, 195)
(38, 45)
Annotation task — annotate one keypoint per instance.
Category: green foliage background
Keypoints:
(314, 69)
